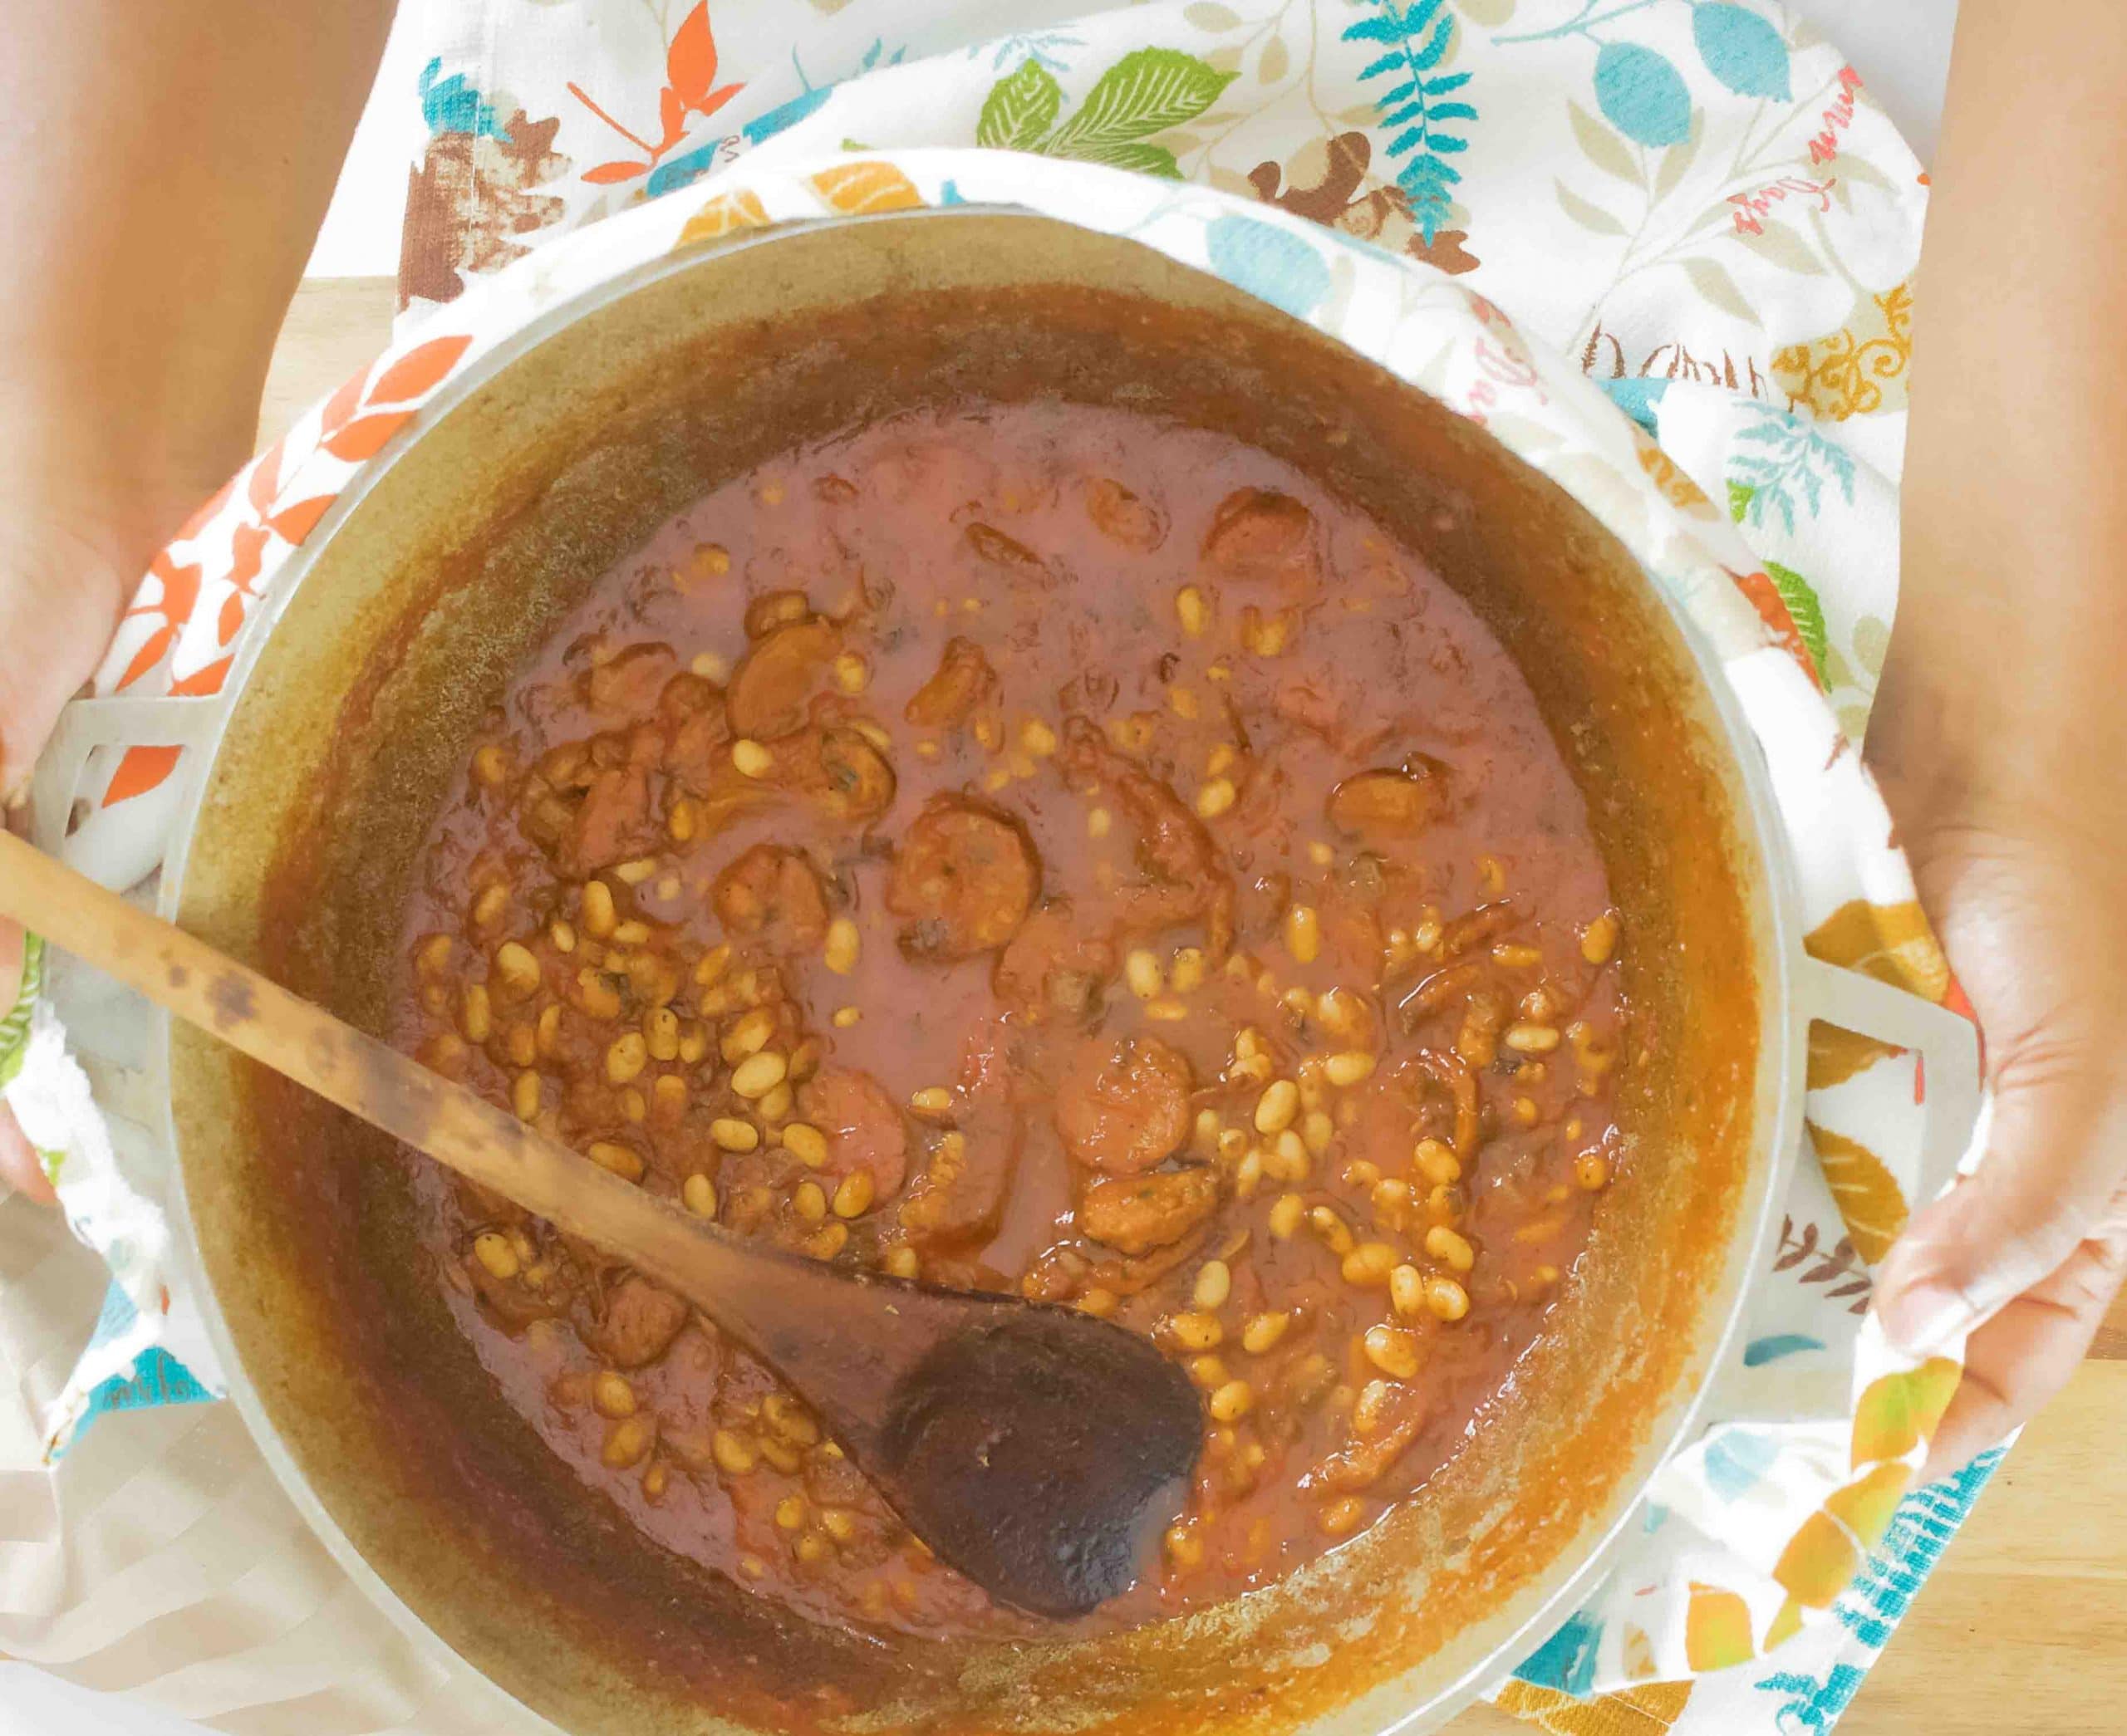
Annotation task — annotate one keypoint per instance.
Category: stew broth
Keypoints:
(1030, 846)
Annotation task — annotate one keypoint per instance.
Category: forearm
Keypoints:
(2008, 683)
(167, 167)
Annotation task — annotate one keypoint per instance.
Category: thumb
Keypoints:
(2052, 1165)
(56, 617)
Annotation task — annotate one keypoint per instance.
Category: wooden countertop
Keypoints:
(2022, 1628)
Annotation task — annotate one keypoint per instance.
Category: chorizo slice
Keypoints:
(1009, 552)
(1121, 1108)
(964, 878)
(963, 685)
(1050, 967)
(637, 1324)
(1188, 879)
(1123, 517)
(629, 683)
(612, 821)
(773, 680)
(1134, 1214)
(772, 893)
(773, 609)
(700, 751)
(838, 768)
(864, 1126)
(1392, 806)
(1258, 533)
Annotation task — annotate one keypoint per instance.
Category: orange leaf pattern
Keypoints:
(1649, 1711)
(180, 633)
(419, 371)
(1891, 942)
(1668, 475)
(140, 770)
(1866, 1192)
(690, 62)
(861, 187)
(690, 73)
(1898, 1412)
(719, 216)
(365, 438)
(1716, 1629)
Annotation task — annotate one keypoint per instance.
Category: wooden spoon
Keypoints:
(1038, 1450)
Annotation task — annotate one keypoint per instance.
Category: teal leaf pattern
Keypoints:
(1786, 462)
(1742, 49)
(452, 105)
(1775, 1345)
(1736, 1462)
(1021, 109)
(1269, 261)
(1419, 101)
(1801, 596)
(1641, 95)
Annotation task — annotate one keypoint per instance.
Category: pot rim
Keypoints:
(1761, 830)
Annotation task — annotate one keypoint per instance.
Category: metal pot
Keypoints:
(398, 623)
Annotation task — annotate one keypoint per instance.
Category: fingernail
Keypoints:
(1927, 1316)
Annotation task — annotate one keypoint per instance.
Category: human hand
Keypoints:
(2030, 1251)
(62, 570)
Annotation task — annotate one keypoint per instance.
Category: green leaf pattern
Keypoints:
(1801, 596)
(1021, 109)
(1144, 94)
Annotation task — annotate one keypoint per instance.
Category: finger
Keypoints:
(19, 1168)
(2053, 1165)
(2026, 1354)
(51, 645)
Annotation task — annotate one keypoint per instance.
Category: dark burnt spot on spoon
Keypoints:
(230, 996)
(1042, 1454)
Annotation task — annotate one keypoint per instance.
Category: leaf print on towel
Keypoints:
(690, 88)
(1142, 94)
(678, 171)
(1805, 611)
(1891, 942)
(1326, 181)
(1763, 595)
(474, 198)
(1019, 109)
(1649, 1711)
(1840, 1267)
(1740, 49)
(1420, 101)
(1866, 1192)
(1269, 263)
(1787, 463)
(1641, 95)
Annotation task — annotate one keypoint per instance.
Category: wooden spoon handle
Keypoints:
(352, 1069)
(793, 1312)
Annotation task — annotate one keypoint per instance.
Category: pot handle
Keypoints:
(85, 725)
(109, 1044)
(1947, 1042)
